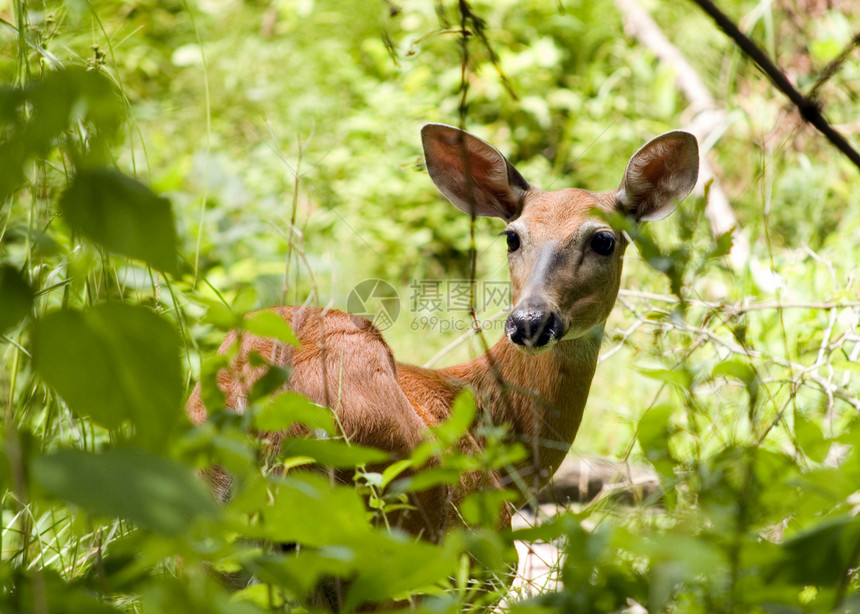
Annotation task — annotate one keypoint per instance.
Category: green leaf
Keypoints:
(393, 470)
(388, 567)
(492, 550)
(308, 509)
(680, 377)
(446, 434)
(723, 245)
(60, 595)
(738, 369)
(16, 297)
(114, 363)
(290, 408)
(300, 573)
(132, 484)
(810, 438)
(741, 370)
(653, 432)
(482, 508)
(821, 555)
(270, 324)
(218, 314)
(462, 415)
(551, 529)
(428, 478)
(332, 452)
(380, 565)
(122, 215)
(273, 380)
(202, 595)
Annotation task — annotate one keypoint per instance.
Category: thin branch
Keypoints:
(738, 309)
(808, 107)
(833, 67)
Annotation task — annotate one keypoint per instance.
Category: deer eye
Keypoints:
(513, 240)
(603, 243)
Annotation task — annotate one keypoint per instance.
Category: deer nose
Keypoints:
(533, 326)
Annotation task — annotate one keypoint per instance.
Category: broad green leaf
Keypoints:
(696, 555)
(428, 478)
(393, 470)
(290, 408)
(462, 414)
(741, 370)
(810, 438)
(310, 510)
(482, 508)
(210, 392)
(851, 434)
(200, 594)
(270, 324)
(446, 434)
(825, 488)
(653, 432)
(723, 245)
(299, 573)
(122, 215)
(381, 565)
(492, 550)
(738, 369)
(273, 380)
(551, 529)
(218, 314)
(680, 377)
(132, 484)
(821, 555)
(332, 452)
(394, 564)
(114, 363)
(16, 297)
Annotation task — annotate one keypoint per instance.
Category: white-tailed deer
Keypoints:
(565, 266)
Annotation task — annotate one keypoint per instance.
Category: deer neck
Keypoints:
(541, 397)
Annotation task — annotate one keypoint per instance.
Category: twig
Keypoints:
(625, 335)
(737, 309)
(803, 371)
(808, 107)
(833, 67)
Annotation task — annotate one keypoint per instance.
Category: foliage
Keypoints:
(168, 167)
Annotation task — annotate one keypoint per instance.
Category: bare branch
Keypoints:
(808, 107)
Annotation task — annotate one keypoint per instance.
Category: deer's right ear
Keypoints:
(472, 174)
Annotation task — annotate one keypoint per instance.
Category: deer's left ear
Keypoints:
(659, 175)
